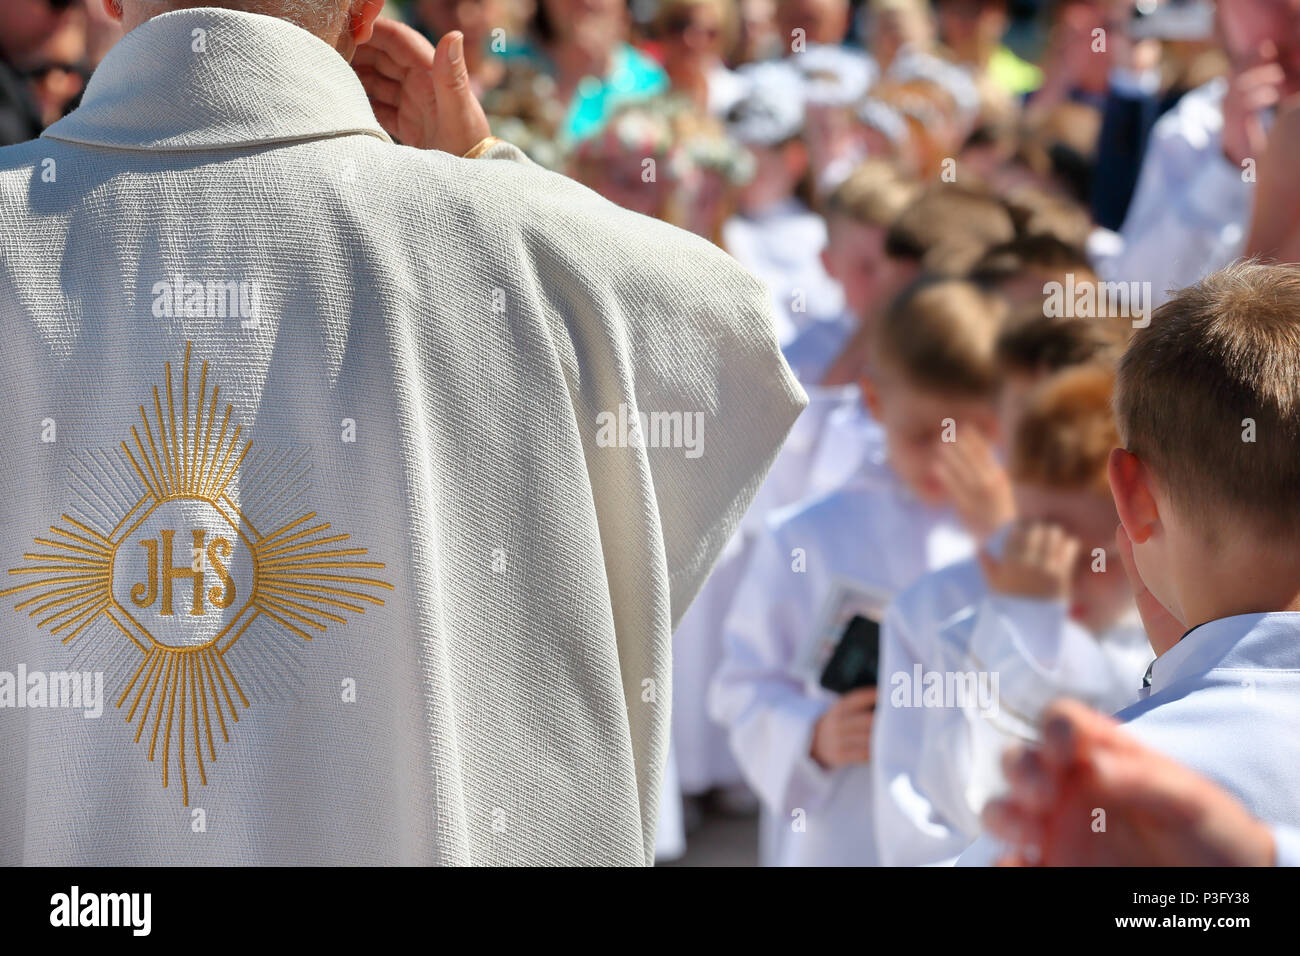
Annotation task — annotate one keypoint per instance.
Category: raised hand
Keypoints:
(1250, 92)
(1037, 561)
(977, 484)
(420, 95)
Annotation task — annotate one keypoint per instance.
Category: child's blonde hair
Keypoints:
(1065, 436)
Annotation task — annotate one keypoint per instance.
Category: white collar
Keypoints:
(205, 78)
(1241, 642)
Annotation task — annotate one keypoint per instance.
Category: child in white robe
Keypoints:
(997, 638)
(1205, 483)
(858, 213)
(804, 749)
(703, 755)
(774, 234)
(941, 230)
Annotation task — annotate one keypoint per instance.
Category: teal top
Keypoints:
(632, 76)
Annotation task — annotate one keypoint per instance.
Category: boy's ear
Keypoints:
(1134, 499)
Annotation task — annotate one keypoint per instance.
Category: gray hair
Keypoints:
(321, 17)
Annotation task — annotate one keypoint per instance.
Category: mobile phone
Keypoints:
(855, 662)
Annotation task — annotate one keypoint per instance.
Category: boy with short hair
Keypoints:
(1031, 347)
(858, 215)
(805, 750)
(1208, 409)
(943, 231)
(1050, 615)
(939, 233)
(1208, 405)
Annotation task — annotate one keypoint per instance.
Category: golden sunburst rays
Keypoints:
(75, 579)
(181, 470)
(301, 578)
(161, 547)
(171, 675)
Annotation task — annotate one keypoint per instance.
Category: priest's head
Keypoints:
(343, 24)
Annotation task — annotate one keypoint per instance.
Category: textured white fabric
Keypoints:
(427, 345)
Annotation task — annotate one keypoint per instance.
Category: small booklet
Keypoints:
(843, 651)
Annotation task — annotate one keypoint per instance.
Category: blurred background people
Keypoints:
(25, 27)
(842, 150)
(695, 37)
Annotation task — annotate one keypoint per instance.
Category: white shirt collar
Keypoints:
(205, 78)
(1242, 642)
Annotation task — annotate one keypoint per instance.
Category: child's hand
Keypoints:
(1163, 629)
(843, 734)
(1037, 562)
(977, 484)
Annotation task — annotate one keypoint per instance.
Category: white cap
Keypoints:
(770, 110)
(834, 75)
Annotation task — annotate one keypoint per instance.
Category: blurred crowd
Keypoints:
(927, 189)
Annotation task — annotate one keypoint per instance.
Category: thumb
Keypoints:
(1073, 732)
(461, 122)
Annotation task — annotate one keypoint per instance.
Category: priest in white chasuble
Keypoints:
(349, 490)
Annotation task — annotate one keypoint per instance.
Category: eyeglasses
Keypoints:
(59, 5)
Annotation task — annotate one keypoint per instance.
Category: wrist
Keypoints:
(481, 147)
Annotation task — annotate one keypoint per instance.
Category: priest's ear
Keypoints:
(114, 9)
(1135, 499)
(362, 19)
